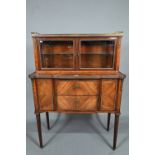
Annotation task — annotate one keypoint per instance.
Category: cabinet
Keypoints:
(77, 73)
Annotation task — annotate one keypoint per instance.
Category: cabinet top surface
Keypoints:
(115, 34)
(77, 75)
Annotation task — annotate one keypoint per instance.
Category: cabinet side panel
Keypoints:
(119, 95)
(118, 50)
(36, 53)
(108, 96)
(35, 95)
(45, 94)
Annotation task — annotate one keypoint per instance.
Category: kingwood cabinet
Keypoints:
(77, 73)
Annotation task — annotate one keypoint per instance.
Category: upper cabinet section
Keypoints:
(77, 52)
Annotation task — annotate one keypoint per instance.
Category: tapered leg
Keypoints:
(39, 129)
(115, 131)
(47, 119)
(108, 121)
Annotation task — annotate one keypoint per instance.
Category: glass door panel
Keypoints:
(97, 54)
(96, 61)
(57, 54)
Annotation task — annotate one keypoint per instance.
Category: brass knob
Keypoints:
(76, 86)
(69, 46)
(77, 101)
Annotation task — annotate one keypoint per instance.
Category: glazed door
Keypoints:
(96, 54)
(57, 54)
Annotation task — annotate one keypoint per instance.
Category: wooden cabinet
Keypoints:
(77, 74)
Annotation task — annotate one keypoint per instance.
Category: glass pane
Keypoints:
(96, 61)
(57, 61)
(97, 54)
(101, 46)
(57, 54)
(57, 47)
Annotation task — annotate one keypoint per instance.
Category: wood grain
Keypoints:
(109, 90)
(77, 103)
(45, 92)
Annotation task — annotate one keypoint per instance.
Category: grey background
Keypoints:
(77, 134)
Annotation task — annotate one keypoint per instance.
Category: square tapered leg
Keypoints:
(108, 121)
(39, 129)
(116, 123)
(47, 120)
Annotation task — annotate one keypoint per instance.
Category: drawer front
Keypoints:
(45, 92)
(77, 103)
(108, 96)
(77, 87)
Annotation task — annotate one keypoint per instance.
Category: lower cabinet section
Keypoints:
(94, 98)
(77, 103)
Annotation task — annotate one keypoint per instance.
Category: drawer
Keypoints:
(77, 87)
(77, 103)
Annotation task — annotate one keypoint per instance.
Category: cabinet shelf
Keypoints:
(56, 53)
(93, 53)
(106, 53)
